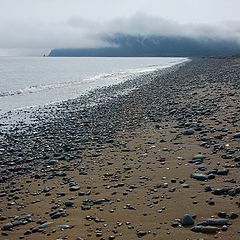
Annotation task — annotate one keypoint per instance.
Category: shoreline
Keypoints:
(42, 87)
(132, 152)
(11, 119)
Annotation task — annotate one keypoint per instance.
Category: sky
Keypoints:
(34, 27)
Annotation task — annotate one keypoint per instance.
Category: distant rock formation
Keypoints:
(153, 46)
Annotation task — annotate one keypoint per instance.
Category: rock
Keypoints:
(187, 220)
(65, 226)
(205, 229)
(3, 218)
(199, 156)
(174, 224)
(222, 214)
(47, 189)
(101, 201)
(57, 214)
(141, 233)
(197, 228)
(7, 226)
(185, 185)
(222, 171)
(216, 221)
(83, 171)
(74, 188)
(86, 205)
(199, 176)
(208, 188)
(173, 180)
(52, 162)
(220, 191)
(237, 159)
(211, 202)
(196, 161)
(209, 229)
(69, 203)
(232, 215)
(41, 226)
(188, 132)
(28, 232)
(202, 168)
(234, 191)
(236, 135)
(44, 225)
(224, 228)
(61, 174)
(211, 176)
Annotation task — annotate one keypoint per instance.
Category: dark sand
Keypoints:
(128, 160)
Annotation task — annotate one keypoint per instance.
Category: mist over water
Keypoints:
(26, 82)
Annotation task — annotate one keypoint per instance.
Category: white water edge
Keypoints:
(32, 82)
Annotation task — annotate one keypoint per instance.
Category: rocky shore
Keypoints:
(151, 158)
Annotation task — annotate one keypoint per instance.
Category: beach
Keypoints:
(153, 158)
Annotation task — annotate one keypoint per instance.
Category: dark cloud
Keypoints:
(78, 32)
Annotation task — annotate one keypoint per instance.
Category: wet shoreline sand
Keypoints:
(133, 165)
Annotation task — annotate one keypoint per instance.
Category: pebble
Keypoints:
(141, 233)
(7, 226)
(216, 221)
(69, 203)
(232, 215)
(205, 229)
(74, 188)
(188, 132)
(236, 135)
(199, 176)
(187, 220)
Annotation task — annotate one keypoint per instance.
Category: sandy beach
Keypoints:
(153, 158)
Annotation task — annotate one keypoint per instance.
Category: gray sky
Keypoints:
(32, 27)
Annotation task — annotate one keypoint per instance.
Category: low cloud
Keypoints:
(147, 25)
(77, 32)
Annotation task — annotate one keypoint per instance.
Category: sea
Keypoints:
(27, 82)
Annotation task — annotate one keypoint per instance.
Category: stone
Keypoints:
(222, 214)
(7, 226)
(141, 233)
(205, 229)
(188, 132)
(224, 228)
(174, 224)
(208, 188)
(216, 221)
(74, 188)
(69, 203)
(199, 176)
(65, 226)
(187, 220)
(232, 215)
(236, 135)
(211, 202)
(209, 229)
(222, 171)
(199, 156)
(185, 185)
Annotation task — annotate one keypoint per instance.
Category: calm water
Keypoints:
(26, 82)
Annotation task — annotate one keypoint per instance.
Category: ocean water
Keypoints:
(35, 81)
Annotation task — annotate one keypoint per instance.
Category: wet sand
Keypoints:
(132, 166)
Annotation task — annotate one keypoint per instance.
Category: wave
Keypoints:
(32, 89)
(114, 76)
